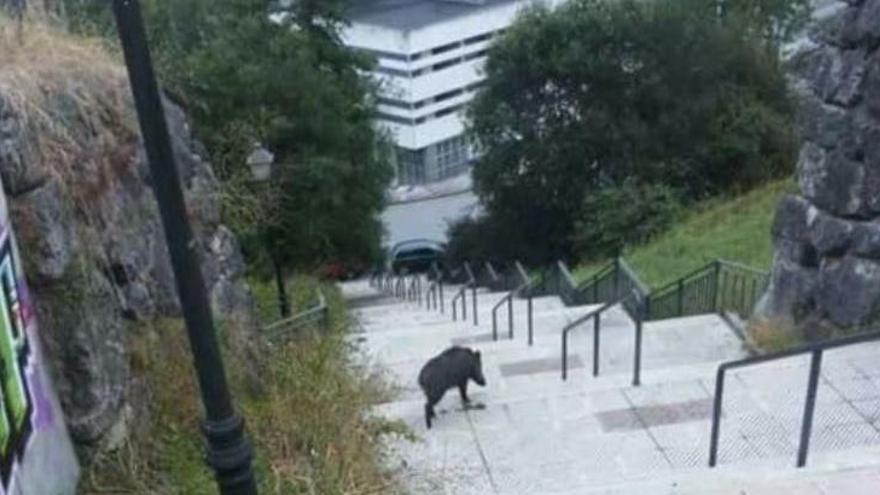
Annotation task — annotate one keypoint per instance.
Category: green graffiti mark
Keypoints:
(16, 407)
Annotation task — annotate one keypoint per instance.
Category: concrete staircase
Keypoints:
(540, 434)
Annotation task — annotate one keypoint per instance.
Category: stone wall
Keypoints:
(826, 268)
(95, 252)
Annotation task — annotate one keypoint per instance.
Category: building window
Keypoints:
(410, 166)
(452, 157)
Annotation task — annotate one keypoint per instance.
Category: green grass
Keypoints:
(736, 229)
(305, 402)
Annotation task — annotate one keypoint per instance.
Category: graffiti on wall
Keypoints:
(16, 406)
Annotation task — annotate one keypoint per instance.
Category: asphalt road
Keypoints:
(426, 219)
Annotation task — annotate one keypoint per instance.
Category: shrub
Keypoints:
(614, 217)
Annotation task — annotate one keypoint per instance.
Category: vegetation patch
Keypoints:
(735, 229)
(306, 402)
(73, 102)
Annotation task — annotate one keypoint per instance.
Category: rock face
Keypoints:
(94, 248)
(826, 265)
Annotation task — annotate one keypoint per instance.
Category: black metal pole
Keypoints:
(597, 324)
(716, 418)
(283, 304)
(463, 295)
(531, 323)
(809, 407)
(228, 452)
(510, 316)
(474, 299)
(637, 359)
(564, 356)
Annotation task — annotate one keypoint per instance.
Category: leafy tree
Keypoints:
(581, 99)
(629, 213)
(276, 73)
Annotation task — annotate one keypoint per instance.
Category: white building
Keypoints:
(430, 56)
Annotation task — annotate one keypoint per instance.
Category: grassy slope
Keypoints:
(736, 229)
(305, 404)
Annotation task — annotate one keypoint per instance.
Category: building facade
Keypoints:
(430, 56)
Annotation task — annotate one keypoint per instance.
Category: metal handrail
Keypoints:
(675, 283)
(567, 278)
(470, 283)
(389, 284)
(741, 266)
(473, 285)
(525, 284)
(400, 286)
(414, 292)
(596, 315)
(493, 275)
(640, 286)
(319, 312)
(604, 271)
(438, 281)
(431, 296)
(816, 349)
(589, 289)
(716, 287)
(493, 280)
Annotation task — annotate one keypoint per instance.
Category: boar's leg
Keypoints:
(462, 389)
(429, 408)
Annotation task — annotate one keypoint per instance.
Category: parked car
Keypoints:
(416, 255)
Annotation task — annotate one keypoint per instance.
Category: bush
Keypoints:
(306, 402)
(615, 217)
(518, 234)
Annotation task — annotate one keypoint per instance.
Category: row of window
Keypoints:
(450, 158)
(438, 98)
(412, 57)
(431, 68)
(421, 120)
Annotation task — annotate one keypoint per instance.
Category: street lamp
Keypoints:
(260, 162)
(228, 452)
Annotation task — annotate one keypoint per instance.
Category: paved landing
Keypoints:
(538, 434)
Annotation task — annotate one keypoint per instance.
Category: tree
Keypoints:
(276, 73)
(597, 92)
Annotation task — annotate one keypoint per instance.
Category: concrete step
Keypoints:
(538, 434)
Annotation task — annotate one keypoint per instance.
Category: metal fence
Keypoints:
(318, 314)
(720, 286)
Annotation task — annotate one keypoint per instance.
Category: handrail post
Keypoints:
(531, 330)
(442, 299)
(616, 278)
(564, 355)
(809, 407)
(455, 308)
(637, 359)
(474, 300)
(463, 303)
(716, 418)
(596, 325)
(680, 297)
(716, 285)
(494, 324)
(510, 316)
